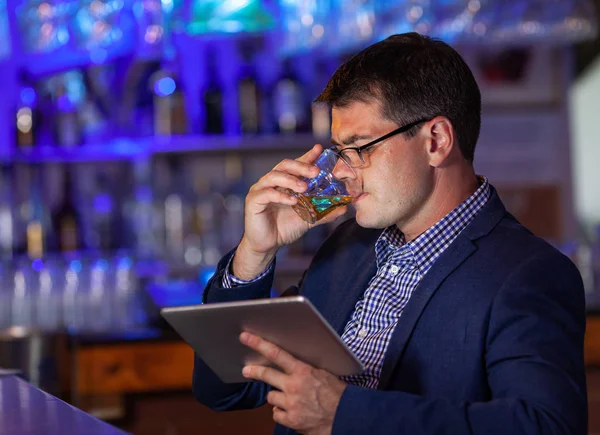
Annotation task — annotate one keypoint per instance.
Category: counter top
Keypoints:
(25, 410)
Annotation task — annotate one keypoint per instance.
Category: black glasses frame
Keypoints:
(359, 150)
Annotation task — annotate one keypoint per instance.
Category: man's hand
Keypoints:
(307, 398)
(269, 220)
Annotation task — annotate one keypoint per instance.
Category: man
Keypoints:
(466, 322)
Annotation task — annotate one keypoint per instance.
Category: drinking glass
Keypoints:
(324, 194)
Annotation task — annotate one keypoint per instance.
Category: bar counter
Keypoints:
(141, 381)
(26, 410)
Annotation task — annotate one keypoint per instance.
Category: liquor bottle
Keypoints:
(27, 114)
(36, 228)
(66, 127)
(143, 220)
(65, 219)
(169, 107)
(288, 102)
(213, 98)
(248, 100)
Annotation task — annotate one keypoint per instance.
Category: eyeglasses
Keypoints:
(353, 156)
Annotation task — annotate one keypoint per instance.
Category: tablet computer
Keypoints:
(292, 323)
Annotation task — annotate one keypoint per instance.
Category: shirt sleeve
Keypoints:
(231, 281)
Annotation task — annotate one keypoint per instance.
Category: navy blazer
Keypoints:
(491, 341)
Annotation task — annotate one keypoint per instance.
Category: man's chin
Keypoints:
(370, 222)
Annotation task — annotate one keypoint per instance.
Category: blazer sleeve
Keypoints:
(534, 362)
(206, 385)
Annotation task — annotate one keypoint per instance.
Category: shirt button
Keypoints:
(394, 270)
(362, 333)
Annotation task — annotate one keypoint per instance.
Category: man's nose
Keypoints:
(343, 171)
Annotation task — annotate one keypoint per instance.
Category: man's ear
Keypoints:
(440, 140)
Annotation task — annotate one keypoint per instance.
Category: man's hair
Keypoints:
(413, 77)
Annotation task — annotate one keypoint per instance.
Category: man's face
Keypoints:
(396, 178)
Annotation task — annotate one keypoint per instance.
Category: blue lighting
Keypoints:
(37, 265)
(28, 96)
(205, 275)
(125, 263)
(102, 264)
(164, 86)
(103, 203)
(98, 55)
(167, 5)
(75, 266)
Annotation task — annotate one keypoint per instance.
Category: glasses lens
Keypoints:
(352, 158)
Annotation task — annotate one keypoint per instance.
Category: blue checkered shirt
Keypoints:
(230, 281)
(400, 268)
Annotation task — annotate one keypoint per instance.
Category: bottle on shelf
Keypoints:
(248, 100)
(212, 97)
(65, 218)
(288, 102)
(176, 210)
(141, 215)
(36, 219)
(68, 91)
(248, 88)
(169, 108)
(27, 114)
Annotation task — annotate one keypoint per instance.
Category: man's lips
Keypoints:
(356, 196)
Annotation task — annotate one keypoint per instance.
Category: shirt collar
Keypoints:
(428, 246)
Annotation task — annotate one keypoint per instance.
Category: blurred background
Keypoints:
(131, 130)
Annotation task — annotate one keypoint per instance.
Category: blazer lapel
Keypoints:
(453, 257)
(458, 252)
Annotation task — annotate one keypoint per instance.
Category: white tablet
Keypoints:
(292, 323)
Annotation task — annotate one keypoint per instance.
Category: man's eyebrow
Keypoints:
(351, 139)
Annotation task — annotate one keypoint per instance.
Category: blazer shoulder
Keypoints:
(512, 242)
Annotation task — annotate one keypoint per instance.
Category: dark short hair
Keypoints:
(414, 77)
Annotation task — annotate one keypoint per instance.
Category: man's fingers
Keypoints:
(270, 351)
(298, 168)
(279, 416)
(277, 178)
(269, 375)
(272, 196)
(311, 155)
(277, 399)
